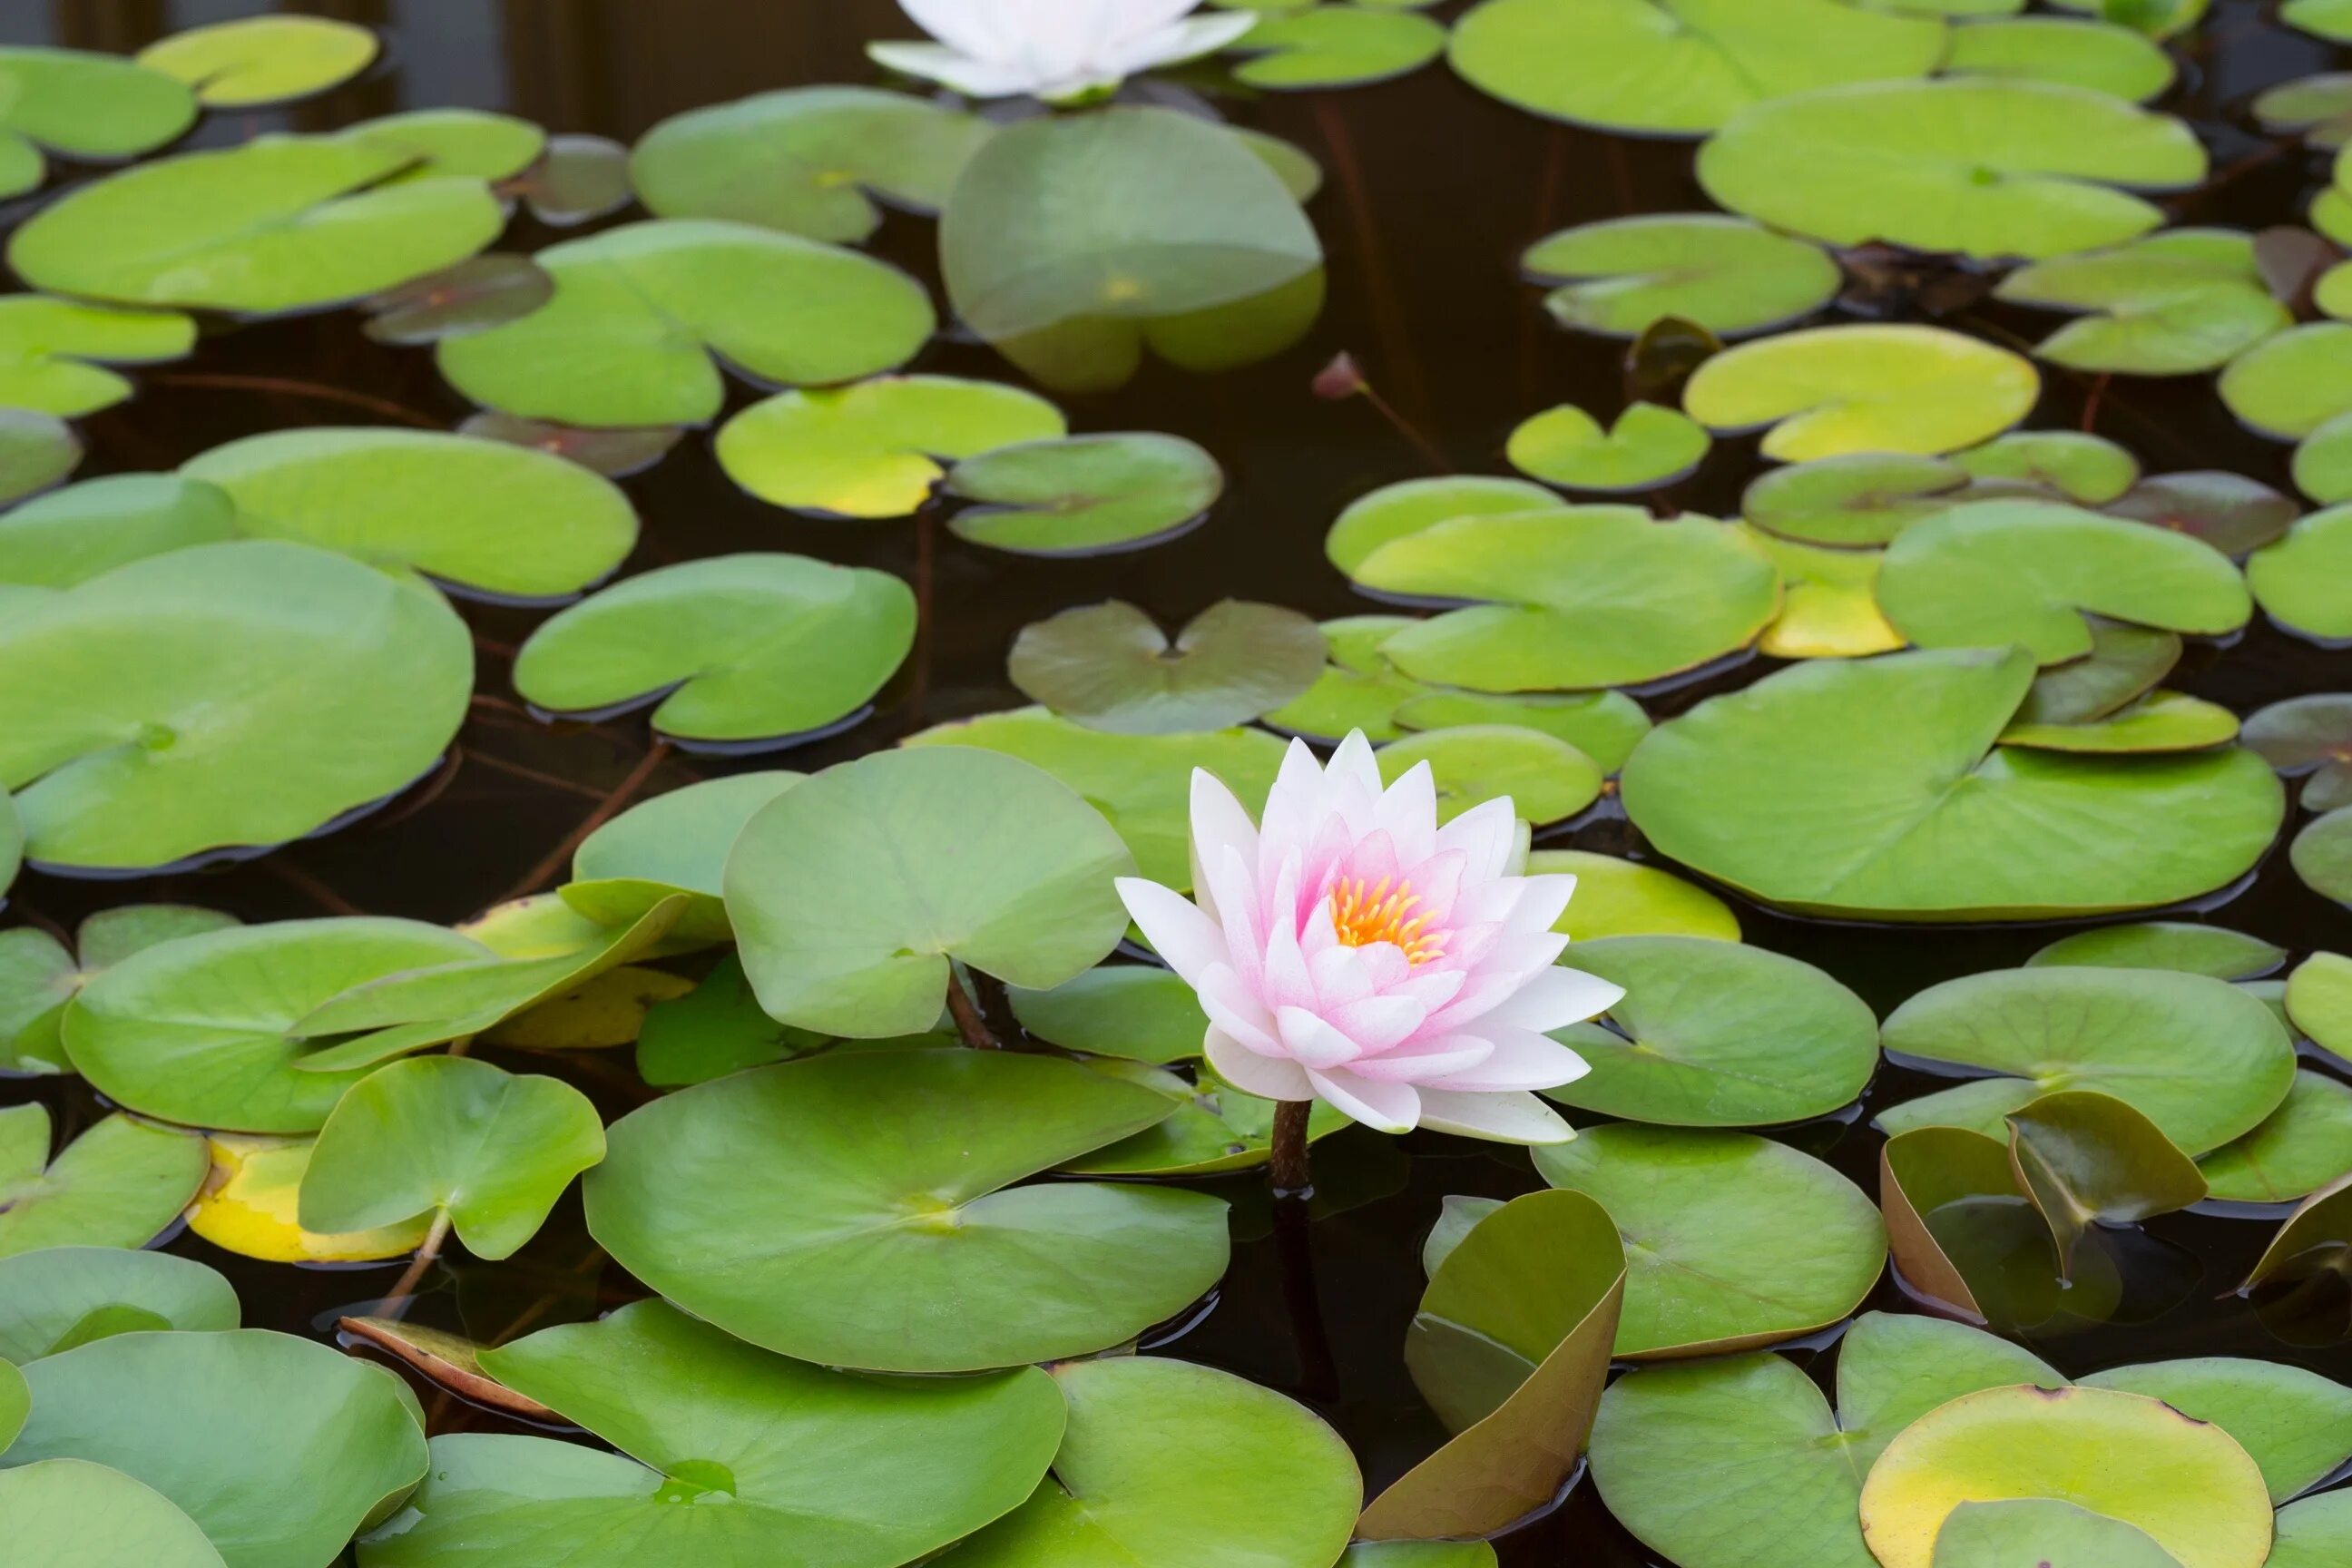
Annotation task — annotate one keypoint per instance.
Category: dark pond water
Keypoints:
(1433, 191)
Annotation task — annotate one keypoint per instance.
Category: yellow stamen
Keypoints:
(1362, 917)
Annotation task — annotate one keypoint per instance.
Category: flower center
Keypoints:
(1363, 916)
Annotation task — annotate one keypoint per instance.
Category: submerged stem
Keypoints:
(1286, 1168)
(969, 1022)
(404, 1289)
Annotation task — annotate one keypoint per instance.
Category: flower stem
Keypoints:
(404, 1290)
(969, 1022)
(1286, 1169)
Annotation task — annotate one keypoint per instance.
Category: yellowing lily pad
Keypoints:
(1646, 448)
(1829, 391)
(256, 60)
(871, 450)
(251, 1200)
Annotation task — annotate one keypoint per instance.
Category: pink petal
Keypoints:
(1233, 1008)
(1285, 982)
(1437, 882)
(1378, 1023)
(1389, 1107)
(1218, 821)
(1340, 975)
(1498, 1118)
(1185, 938)
(1486, 834)
(1238, 907)
(1269, 1077)
(1555, 999)
(1426, 1060)
(1311, 1042)
(1521, 1059)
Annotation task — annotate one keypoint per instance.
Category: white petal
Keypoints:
(1379, 1022)
(981, 29)
(1312, 1042)
(972, 77)
(1218, 821)
(1408, 814)
(1388, 1107)
(1268, 1077)
(1497, 1118)
(1353, 763)
(1554, 999)
(1485, 833)
(1187, 941)
(1186, 41)
(1521, 1059)
(1542, 901)
(1233, 1008)
(1427, 1061)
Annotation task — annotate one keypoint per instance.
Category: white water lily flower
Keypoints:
(1054, 49)
(1347, 948)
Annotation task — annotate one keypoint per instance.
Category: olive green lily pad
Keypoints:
(69, 1513)
(279, 224)
(2316, 1239)
(89, 107)
(2043, 1532)
(478, 293)
(1742, 1463)
(1731, 1240)
(2322, 855)
(2322, 461)
(1683, 66)
(735, 648)
(61, 1297)
(872, 451)
(255, 60)
(2232, 512)
(2092, 55)
(812, 161)
(120, 1184)
(1603, 725)
(53, 352)
(1358, 688)
(1412, 506)
(1418, 1554)
(1083, 495)
(1510, 1346)
(2125, 664)
(1141, 783)
(2296, 1425)
(2160, 721)
(768, 1202)
(2216, 951)
(1336, 45)
(1545, 778)
(713, 1030)
(310, 1423)
(1621, 276)
(2083, 1158)
(2305, 581)
(1648, 447)
(38, 976)
(1136, 1011)
(1962, 1235)
(2122, 1456)
(645, 315)
(2071, 465)
(1878, 788)
(2290, 385)
(2317, 108)
(453, 1135)
(483, 516)
(1987, 168)
(1715, 1033)
(202, 1030)
(2201, 1058)
(673, 843)
(1625, 898)
(1855, 499)
(1024, 893)
(615, 454)
(1585, 596)
(1829, 391)
(1110, 667)
(2176, 303)
(2314, 1532)
(37, 450)
(2299, 1148)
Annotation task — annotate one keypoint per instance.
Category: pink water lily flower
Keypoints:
(1054, 49)
(1347, 948)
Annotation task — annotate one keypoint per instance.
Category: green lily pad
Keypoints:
(1415, 1554)
(2316, 1239)
(2317, 108)
(2097, 56)
(767, 1202)
(2200, 1058)
(478, 293)
(1986, 168)
(2176, 303)
(38, 976)
(1024, 895)
(872, 451)
(1625, 898)
(2122, 1456)
(1134, 1011)
(732, 648)
(493, 147)
(2330, 20)
(1879, 789)
(1829, 602)
(2299, 1148)
(1586, 596)
(1214, 1129)
(1713, 1034)
(2296, 1425)
(91, 108)
(73, 534)
(1413, 506)
(2043, 1530)
(120, 1184)
(230, 668)
(201, 1030)
(491, 1150)
(1966, 1237)
(1358, 688)
(1083, 495)
(2322, 855)
(713, 1030)
(2069, 464)
(2322, 461)
(645, 315)
(2305, 581)
(482, 516)
(1741, 1462)
(673, 843)
(1829, 391)
(69, 1513)
(2319, 1000)
(1604, 725)
(1858, 499)
(61, 1297)
(2232, 512)
(2125, 664)
(2160, 721)
(1510, 1346)
(2215, 950)
(811, 160)
(1141, 783)
(1621, 276)
(37, 450)
(53, 353)
(1110, 667)
(1336, 45)
(2314, 1532)
(279, 224)
(2289, 385)
(1731, 1240)
(1648, 447)
(1682, 67)
(311, 1424)
(255, 60)
(2085, 1158)
(1545, 778)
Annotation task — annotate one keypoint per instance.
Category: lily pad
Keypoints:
(1682, 67)
(2322, 461)
(474, 296)
(1213, 1130)
(1024, 895)
(279, 224)
(251, 1201)
(1829, 391)
(1083, 495)
(2316, 1238)
(2288, 386)
(2299, 1148)
(615, 454)
(1648, 447)
(2166, 944)
(2176, 303)
(2295, 1425)
(1626, 898)
(1713, 1034)
(2125, 664)
(645, 315)
(255, 60)
(731, 648)
(1731, 1240)
(1939, 1188)
(53, 353)
(70, 1513)
(2232, 512)
(673, 843)
(37, 450)
(1136, 1011)
(577, 179)
(1510, 1346)
(2318, 108)
(1545, 778)
(2305, 581)
(472, 141)
(767, 1202)
(1413, 506)
(1336, 45)
(38, 976)
(2322, 855)
(311, 1424)
(1879, 789)
(1829, 601)
(2071, 465)
(713, 1030)
(2085, 1158)
(2160, 721)
(2330, 20)
(1986, 168)
(1859, 498)
(2314, 1532)
(61, 1297)
(871, 450)
(1110, 667)
(1586, 596)
(2319, 1000)
(2098, 56)
(451, 1362)
(2043, 1530)
(89, 107)
(73, 534)
(1358, 688)
(1603, 725)
(811, 160)
(2199, 1056)
(120, 1184)
(1621, 276)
